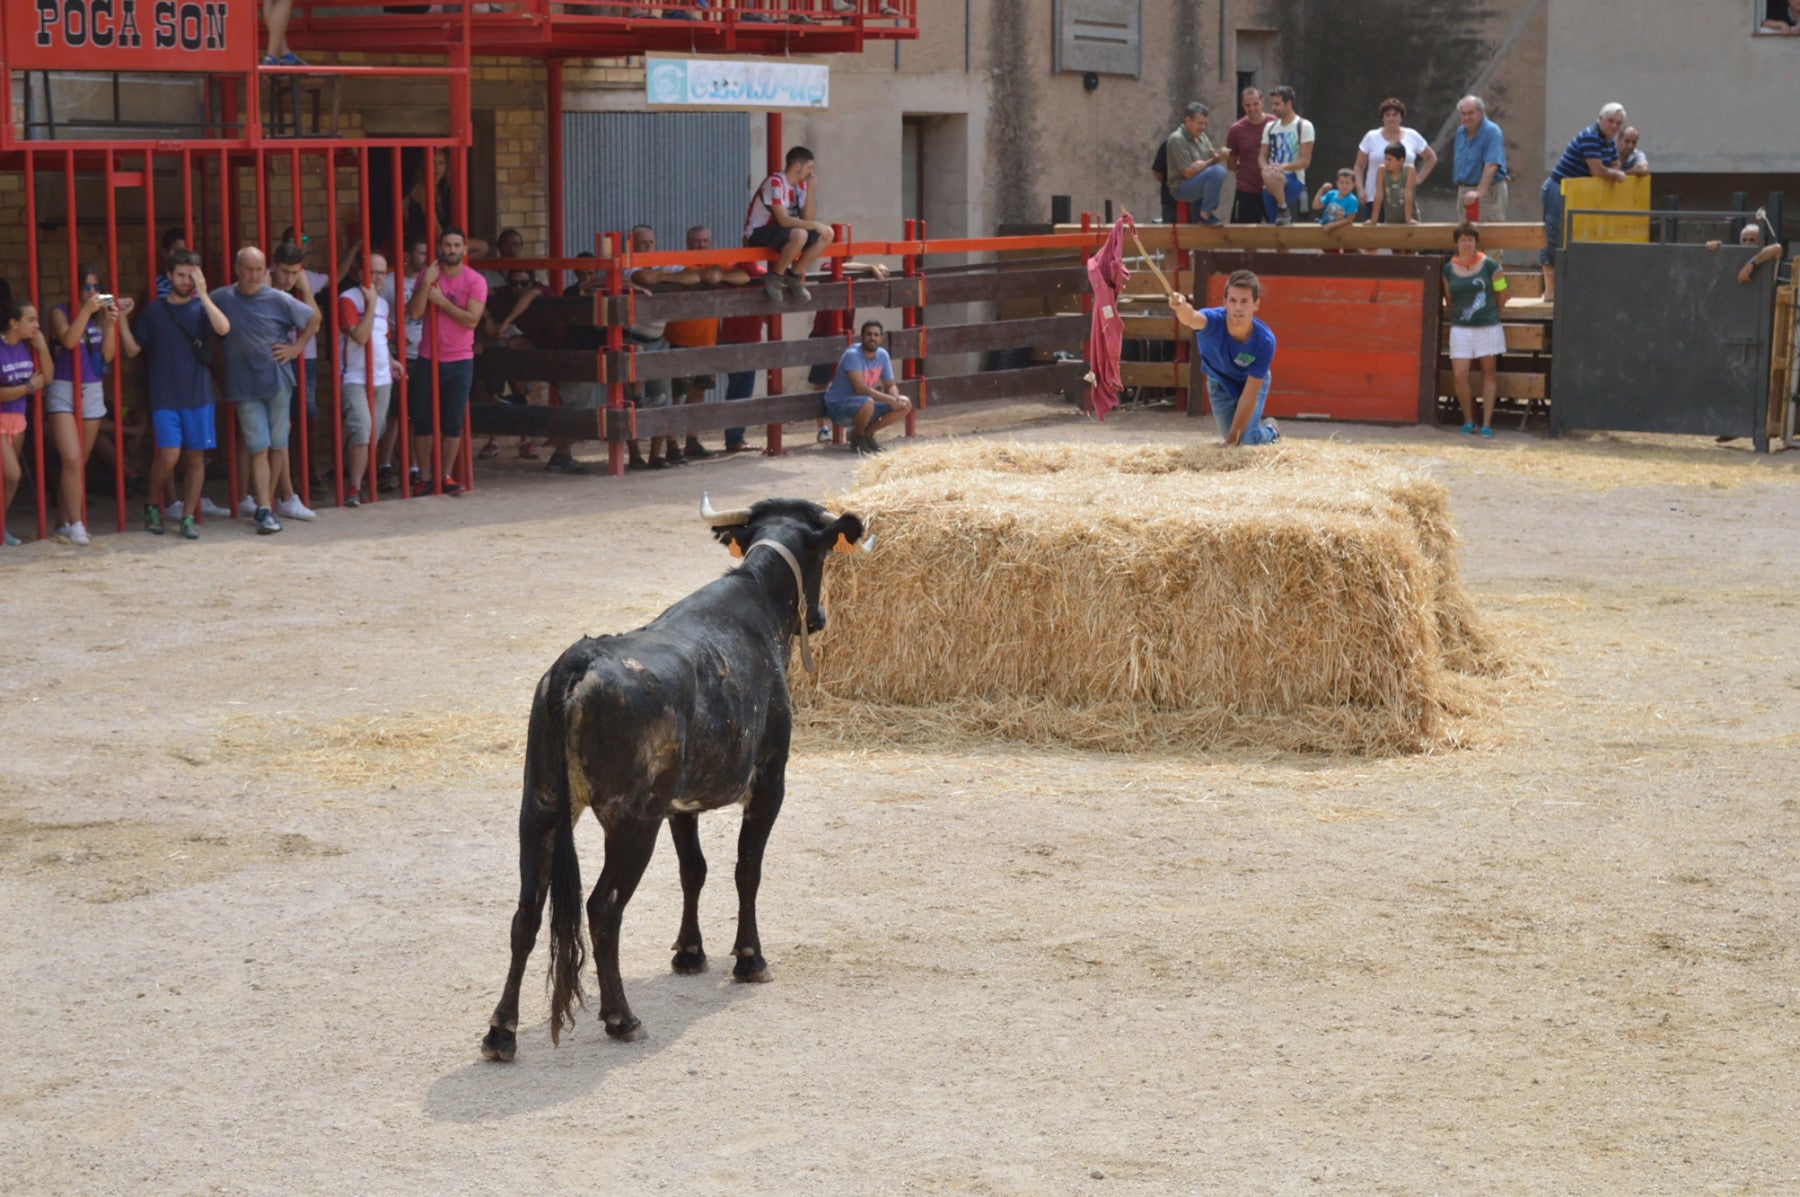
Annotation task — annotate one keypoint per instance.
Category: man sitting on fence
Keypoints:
(862, 396)
(781, 218)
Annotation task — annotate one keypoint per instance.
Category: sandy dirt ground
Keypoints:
(257, 859)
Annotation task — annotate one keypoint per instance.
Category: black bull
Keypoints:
(686, 714)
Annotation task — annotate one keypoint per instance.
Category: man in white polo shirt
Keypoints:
(366, 317)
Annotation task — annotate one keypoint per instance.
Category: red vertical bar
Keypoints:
(303, 426)
(76, 379)
(841, 320)
(431, 335)
(229, 199)
(607, 247)
(772, 151)
(773, 155)
(553, 105)
(1183, 342)
(362, 179)
(403, 438)
(31, 276)
(909, 318)
(459, 208)
(112, 274)
(328, 310)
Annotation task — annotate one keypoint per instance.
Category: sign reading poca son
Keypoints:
(736, 83)
(131, 35)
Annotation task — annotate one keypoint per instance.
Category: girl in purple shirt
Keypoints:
(93, 332)
(24, 362)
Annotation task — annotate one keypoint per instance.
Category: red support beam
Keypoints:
(553, 107)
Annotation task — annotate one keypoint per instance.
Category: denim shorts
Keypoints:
(184, 428)
(263, 423)
(843, 411)
(454, 380)
(61, 397)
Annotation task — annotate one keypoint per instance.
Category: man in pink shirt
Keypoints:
(455, 297)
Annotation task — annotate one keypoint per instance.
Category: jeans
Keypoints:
(1224, 410)
(1205, 187)
(263, 423)
(739, 384)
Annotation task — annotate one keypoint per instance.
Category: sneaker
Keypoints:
(420, 487)
(527, 450)
(864, 444)
(735, 447)
(1273, 427)
(796, 288)
(1211, 221)
(491, 449)
(1283, 216)
(175, 510)
(289, 59)
(452, 486)
(695, 451)
(13, 542)
(1468, 430)
(673, 454)
(1487, 432)
(657, 463)
(152, 520)
(270, 60)
(842, 6)
(560, 463)
(188, 531)
(247, 507)
(292, 508)
(77, 534)
(353, 499)
(386, 480)
(823, 436)
(266, 523)
(888, 10)
(212, 510)
(772, 287)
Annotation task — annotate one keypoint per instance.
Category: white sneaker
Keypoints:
(823, 437)
(173, 510)
(247, 508)
(291, 508)
(76, 532)
(213, 511)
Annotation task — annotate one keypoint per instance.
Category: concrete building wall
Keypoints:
(1706, 93)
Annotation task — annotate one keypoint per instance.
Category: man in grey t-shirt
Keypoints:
(259, 373)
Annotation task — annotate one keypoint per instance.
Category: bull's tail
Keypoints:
(568, 940)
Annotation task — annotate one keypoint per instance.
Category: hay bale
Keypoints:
(1129, 597)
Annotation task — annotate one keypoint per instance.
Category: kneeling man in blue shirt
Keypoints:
(1236, 350)
(862, 396)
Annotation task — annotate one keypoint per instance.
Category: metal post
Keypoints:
(76, 380)
(1183, 343)
(403, 438)
(437, 463)
(913, 230)
(328, 321)
(840, 321)
(374, 447)
(303, 424)
(772, 157)
(228, 202)
(606, 246)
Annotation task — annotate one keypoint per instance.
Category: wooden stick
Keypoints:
(1151, 262)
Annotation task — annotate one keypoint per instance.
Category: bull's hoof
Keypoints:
(751, 968)
(499, 1045)
(625, 1031)
(689, 964)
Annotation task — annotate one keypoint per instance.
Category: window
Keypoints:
(1778, 17)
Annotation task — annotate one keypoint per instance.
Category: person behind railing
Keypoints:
(781, 218)
(508, 300)
(1751, 236)
(1783, 19)
(179, 334)
(862, 396)
(1395, 190)
(1336, 203)
(1392, 131)
(696, 334)
(648, 336)
(418, 255)
(741, 384)
(1591, 153)
(172, 240)
(286, 265)
(88, 323)
(1243, 156)
(269, 332)
(25, 370)
(1196, 173)
(275, 18)
(365, 316)
(450, 298)
(585, 396)
(1478, 151)
(1631, 159)
(1475, 291)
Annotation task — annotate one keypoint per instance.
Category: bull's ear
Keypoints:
(736, 539)
(842, 533)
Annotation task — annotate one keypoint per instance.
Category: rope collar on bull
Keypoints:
(739, 517)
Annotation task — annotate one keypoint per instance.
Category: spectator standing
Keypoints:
(1631, 159)
(450, 298)
(741, 384)
(1237, 352)
(1394, 189)
(1196, 170)
(648, 336)
(1475, 291)
(287, 266)
(179, 334)
(1591, 153)
(268, 332)
(92, 331)
(1478, 154)
(25, 369)
(172, 240)
(1338, 205)
(1243, 157)
(695, 334)
(518, 290)
(781, 218)
(1287, 146)
(862, 396)
(366, 317)
(418, 254)
(1392, 131)
(587, 396)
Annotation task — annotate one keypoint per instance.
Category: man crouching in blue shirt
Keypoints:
(862, 396)
(1236, 350)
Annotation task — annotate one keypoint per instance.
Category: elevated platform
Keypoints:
(604, 28)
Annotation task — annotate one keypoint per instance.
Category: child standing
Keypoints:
(1338, 204)
(1394, 190)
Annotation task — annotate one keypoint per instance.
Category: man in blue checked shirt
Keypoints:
(1593, 153)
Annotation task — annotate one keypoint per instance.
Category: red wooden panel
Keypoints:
(1345, 348)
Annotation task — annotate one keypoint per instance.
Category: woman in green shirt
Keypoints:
(1475, 291)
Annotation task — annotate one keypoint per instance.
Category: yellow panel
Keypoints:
(1631, 195)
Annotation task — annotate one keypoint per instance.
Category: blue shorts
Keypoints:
(263, 423)
(184, 428)
(1294, 190)
(454, 381)
(843, 411)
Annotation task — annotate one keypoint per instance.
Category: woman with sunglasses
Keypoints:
(24, 358)
(93, 331)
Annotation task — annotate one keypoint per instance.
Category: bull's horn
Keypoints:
(722, 519)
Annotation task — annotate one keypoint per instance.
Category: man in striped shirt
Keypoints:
(1593, 153)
